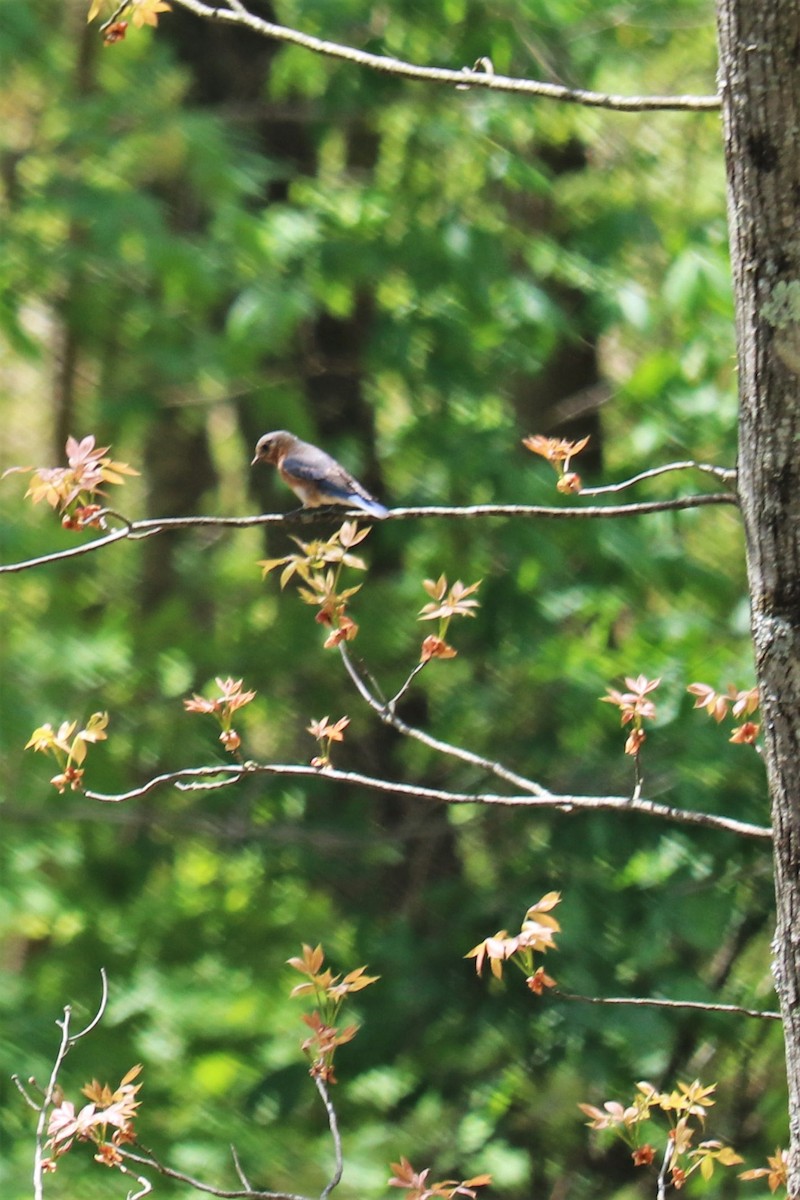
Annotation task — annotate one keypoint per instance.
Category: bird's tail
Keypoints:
(368, 505)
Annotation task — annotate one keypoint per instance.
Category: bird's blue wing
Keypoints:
(333, 482)
(312, 464)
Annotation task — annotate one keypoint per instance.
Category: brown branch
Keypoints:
(203, 778)
(148, 1159)
(480, 76)
(135, 530)
(246, 1192)
(386, 712)
(649, 1002)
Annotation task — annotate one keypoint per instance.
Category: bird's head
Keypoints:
(270, 447)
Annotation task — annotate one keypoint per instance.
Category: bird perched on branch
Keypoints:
(313, 475)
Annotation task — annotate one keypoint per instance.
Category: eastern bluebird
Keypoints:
(313, 475)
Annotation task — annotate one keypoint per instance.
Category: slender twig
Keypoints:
(247, 1192)
(390, 704)
(134, 530)
(724, 474)
(98, 519)
(26, 1096)
(146, 1187)
(229, 775)
(478, 76)
(194, 779)
(388, 715)
(245, 1182)
(68, 1040)
(650, 1002)
(337, 1140)
(669, 1150)
(98, 1016)
(115, 15)
(148, 1159)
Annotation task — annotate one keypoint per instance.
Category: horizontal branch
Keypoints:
(557, 513)
(135, 530)
(651, 1002)
(479, 76)
(205, 778)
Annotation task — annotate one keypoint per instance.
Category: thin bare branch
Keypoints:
(388, 715)
(463, 79)
(20, 1086)
(390, 704)
(98, 1016)
(227, 775)
(337, 1140)
(67, 1042)
(202, 778)
(245, 1182)
(145, 1189)
(114, 16)
(723, 474)
(73, 552)
(148, 1159)
(135, 530)
(650, 1002)
(247, 1192)
(669, 1151)
(551, 512)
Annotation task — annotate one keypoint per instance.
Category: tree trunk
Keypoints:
(760, 87)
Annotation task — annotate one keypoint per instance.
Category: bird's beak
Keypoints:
(255, 460)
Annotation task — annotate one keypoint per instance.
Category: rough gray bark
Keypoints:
(760, 85)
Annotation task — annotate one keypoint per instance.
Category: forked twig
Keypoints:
(68, 1040)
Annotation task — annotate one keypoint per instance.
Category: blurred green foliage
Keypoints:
(204, 237)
